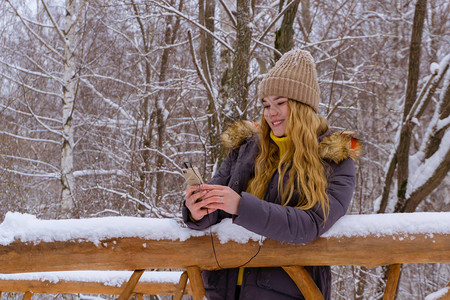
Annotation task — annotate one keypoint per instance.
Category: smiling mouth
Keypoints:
(276, 123)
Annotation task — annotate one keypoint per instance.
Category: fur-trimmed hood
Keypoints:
(336, 146)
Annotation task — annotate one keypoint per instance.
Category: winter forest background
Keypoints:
(102, 101)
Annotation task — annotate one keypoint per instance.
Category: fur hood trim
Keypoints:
(340, 145)
(336, 146)
(235, 135)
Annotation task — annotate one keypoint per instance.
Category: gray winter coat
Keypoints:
(272, 220)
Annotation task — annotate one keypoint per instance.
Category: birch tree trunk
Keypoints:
(69, 90)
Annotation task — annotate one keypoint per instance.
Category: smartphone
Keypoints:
(192, 174)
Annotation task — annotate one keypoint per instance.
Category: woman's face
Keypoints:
(276, 114)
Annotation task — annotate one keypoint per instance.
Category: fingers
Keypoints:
(206, 198)
(192, 189)
(212, 187)
(194, 197)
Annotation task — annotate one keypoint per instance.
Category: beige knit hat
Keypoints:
(293, 76)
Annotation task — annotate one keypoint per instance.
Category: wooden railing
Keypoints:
(195, 254)
(97, 282)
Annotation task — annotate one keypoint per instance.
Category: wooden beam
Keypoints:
(137, 253)
(130, 285)
(75, 287)
(195, 278)
(304, 282)
(181, 287)
(392, 281)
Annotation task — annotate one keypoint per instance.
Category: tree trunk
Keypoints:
(241, 62)
(208, 63)
(161, 112)
(206, 18)
(411, 97)
(69, 87)
(306, 24)
(147, 127)
(284, 37)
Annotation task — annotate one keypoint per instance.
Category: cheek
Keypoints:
(286, 112)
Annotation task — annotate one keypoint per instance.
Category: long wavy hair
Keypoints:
(301, 160)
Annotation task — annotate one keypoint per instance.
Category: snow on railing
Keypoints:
(128, 243)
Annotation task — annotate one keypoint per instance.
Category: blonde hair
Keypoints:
(301, 160)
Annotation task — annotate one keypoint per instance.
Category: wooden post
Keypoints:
(181, 287)
(27, 296)
(130, 285)
(392, 281)
(195, 278)
(140, 296)
(304, 282)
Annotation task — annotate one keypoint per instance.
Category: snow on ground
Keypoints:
(27, 228)
(438, 295)
(108, 278)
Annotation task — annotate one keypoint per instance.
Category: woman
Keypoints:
(286, 179)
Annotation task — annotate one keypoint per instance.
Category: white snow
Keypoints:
(420, 173)
(439, 294)
(27, 228)
(391, 224)
(109, 278)
(434, 68)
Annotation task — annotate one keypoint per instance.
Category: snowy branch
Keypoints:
(37, 36)
(109, 101)
(82, 173)
(175, 11)
(29, 138)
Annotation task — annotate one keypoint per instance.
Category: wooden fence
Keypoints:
(195, 254)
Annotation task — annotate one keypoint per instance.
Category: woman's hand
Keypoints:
(193, 197)
(206, 198)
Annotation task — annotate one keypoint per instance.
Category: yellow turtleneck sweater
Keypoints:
(282, 143)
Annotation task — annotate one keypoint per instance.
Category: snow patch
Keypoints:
(439, 294)
(391, 224)
(108, 278)
(27, 228)
(434, 68)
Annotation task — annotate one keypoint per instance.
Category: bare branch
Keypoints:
(37, 36)
(55, 26)
(229, 13)
(274, 21)
(175, 11)
(29, 138)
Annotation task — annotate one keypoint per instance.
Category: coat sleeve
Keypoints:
(293, 225)
(222, 177)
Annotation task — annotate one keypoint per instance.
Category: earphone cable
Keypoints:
(214, 248)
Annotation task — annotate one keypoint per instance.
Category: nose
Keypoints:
(273, 110)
